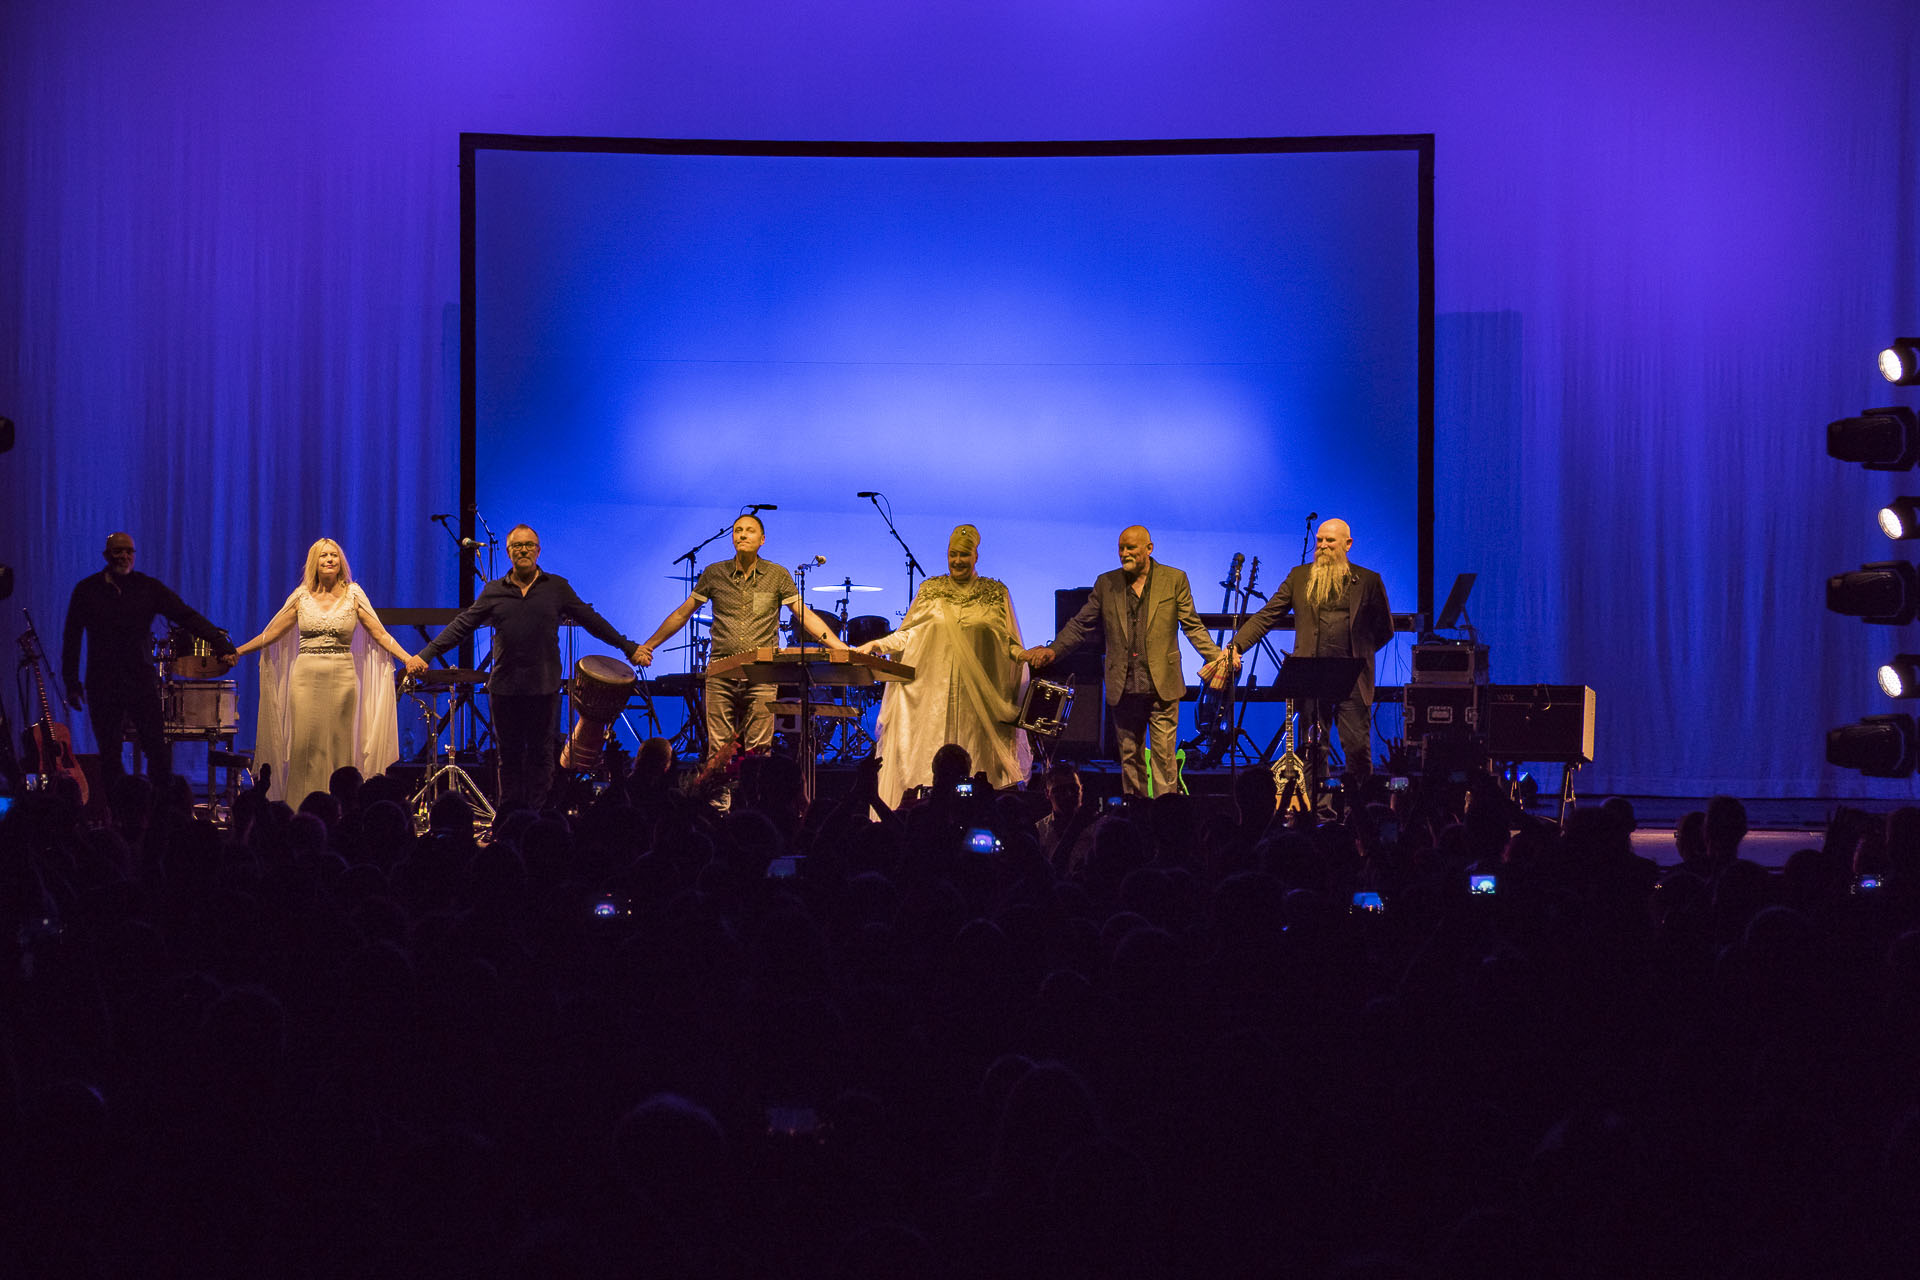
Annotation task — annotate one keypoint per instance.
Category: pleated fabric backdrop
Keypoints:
(1670, 238)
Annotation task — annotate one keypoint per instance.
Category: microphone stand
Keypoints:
(460, 542)
(493, 543)
(913, 565)
(472, 562)
(692, 578)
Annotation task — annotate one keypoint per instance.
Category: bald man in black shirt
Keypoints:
(113, 613)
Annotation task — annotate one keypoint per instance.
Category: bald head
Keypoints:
(119, 553)
(1333, 537)
(1136, 548)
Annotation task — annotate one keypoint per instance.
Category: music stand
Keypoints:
(1327, 681)
(1454, 609)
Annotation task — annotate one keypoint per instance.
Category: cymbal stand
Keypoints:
(450, 777)
(809, 749)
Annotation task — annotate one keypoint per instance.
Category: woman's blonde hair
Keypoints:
(312, 579)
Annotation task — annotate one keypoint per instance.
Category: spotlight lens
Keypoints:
(1890, 523)
(1892, 683)
(1891, 366)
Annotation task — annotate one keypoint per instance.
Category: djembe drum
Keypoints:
(601, 687)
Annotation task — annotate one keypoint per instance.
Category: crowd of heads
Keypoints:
(652, 1036)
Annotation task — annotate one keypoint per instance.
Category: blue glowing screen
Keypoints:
(1048, 348)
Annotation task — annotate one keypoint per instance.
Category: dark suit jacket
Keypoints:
(1371, 623)
(1166, 610)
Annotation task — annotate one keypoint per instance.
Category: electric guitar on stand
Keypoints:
(48, 743)
(1290, 772)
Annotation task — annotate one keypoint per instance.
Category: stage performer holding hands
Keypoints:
(962, 640)
(525, 609)
(113, 613)
(326, 681)
(747, 594)
(1143, 607)
(1339, 611)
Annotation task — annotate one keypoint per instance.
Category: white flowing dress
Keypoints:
(326, 698)
(963, 642)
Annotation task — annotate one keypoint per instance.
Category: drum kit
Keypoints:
(195, 702)
(198, 705)
(841, 731)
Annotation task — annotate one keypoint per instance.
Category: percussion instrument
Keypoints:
(844, 585)
(866, 628)
(442, 677)
(771, 665)
(1045, 707)
(200, 706)
(601, 686)
(184, 656)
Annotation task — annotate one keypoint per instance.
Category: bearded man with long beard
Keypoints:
(1340, 611)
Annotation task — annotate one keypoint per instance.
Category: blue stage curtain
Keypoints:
(1670, 239)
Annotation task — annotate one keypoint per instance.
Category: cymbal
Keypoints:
(845, 586)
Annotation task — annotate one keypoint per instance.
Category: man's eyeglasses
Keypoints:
(523, 546)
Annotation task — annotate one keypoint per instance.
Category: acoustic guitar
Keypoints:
(48, 743)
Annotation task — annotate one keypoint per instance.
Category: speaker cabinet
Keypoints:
(1082, 739)
(1541, 723)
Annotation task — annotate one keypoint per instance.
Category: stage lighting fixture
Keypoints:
(6, 434)
(1878, 746)
(1900, 519)
(1887, 593)
(1900, 363)
(1879, 439)
(1900, 678)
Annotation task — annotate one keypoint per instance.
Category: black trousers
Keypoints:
(526, 735)
(1354, 721)
(110, 705)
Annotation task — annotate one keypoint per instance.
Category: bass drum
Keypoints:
(867, 628)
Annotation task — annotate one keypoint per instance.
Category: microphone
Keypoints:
(468, 544)
(442, 518)
(1312, 516)
(761, 506)
(870, 493)
(817, 562)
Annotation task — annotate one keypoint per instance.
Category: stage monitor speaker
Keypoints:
(1082, 737)
(1541, 723)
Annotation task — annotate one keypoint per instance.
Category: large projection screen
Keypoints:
(1049, 341)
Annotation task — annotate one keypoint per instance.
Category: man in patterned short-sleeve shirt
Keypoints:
(747, 594)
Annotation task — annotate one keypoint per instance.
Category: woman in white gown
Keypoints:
(962, 640)
(326, 682)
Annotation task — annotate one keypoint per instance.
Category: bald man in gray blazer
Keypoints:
(1142, 606)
